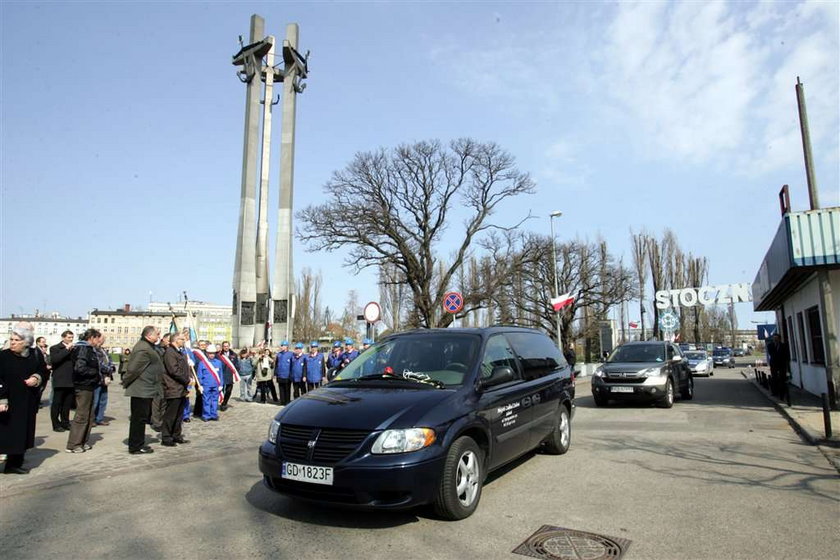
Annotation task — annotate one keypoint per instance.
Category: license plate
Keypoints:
(307, 473)
(621, 389)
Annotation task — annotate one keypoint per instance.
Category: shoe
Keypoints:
(75, 450)
(66, 427)
(156, 428)
(223, 407)
(87, 447)
(103, 423)
(186, 419)
(142, 450)
(168, 443)
(59, 429)
(15, 470)
(182, 440)
(214, 419)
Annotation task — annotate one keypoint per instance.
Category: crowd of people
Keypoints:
(168, 379)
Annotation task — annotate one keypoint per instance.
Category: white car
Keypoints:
(700, 362)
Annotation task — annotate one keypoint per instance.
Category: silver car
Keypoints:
(700, 362)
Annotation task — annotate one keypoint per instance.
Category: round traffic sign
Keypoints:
(453, 302)
(372, 312)
(669, 321)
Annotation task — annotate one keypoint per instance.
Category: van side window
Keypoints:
(498, 353)
(670, 350)
(538, 354)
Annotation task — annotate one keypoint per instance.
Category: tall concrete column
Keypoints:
(262, 274)
(283, 287)
(244, 268)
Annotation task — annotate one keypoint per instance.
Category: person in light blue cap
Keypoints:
(314, 367)
(366, 344)
(296, 373)
(282, 369)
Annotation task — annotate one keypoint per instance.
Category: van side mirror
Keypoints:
(678, 358)
(499, 375)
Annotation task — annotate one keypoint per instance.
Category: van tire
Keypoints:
(560, 438)
(460, 485)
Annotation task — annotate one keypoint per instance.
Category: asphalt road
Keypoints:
(723, 476)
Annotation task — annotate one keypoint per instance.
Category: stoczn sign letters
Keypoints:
(707, 295)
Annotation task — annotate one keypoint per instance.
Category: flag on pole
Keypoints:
(173, 327)
(633, 325)
(562, 301)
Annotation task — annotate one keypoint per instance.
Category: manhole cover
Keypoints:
(567, 544)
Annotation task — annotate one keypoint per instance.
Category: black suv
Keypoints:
(421, 417)
(651, 371)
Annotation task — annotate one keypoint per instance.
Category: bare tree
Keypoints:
(697, 270)
(657, 277)
(309, 320)
(640, 266)
(391, 296)
(393, 207)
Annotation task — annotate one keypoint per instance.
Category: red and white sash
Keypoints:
(228, 363)
(209, 365)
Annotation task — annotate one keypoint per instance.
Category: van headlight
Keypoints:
(403, 441)
(273, 430)
(599, 371)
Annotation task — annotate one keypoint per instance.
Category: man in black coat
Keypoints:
(778, 355)
(61, 359)
(176, 378)
(227, 373)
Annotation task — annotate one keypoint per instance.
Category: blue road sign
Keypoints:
(765, 331)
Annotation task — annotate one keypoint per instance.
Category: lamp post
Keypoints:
(555, 214)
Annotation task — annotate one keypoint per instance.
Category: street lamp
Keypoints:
(555, 214)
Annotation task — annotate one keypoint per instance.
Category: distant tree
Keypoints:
(309, 319)
(392, 295)
(657, 277)
(392, 207)
(697, 270)
(640, 266)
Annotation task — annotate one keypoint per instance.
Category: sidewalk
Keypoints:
(242, 427)
(805, 414)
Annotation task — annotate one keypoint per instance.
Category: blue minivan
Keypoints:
(422, 417)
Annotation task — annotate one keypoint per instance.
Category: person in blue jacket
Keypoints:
(210, 385)
(349, 354)
(282, 368)
(296, 373)
(314, 367)
(334, 359)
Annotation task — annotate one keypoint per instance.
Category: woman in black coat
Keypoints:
(22, 371)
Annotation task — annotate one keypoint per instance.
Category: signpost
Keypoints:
(765, 331)
(453, 302)
(372, 314)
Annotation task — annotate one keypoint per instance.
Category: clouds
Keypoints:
(697, 83)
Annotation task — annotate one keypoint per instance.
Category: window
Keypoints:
(791, 340)
(498, 353)
(538, 354)
(802, 349)
(815, 330)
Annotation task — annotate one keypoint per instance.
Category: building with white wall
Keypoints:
(50, 327)
(799, 279)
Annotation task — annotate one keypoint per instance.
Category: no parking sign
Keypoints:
(453, 302)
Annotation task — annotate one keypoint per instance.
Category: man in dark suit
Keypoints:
(778, 355)
(61, 359)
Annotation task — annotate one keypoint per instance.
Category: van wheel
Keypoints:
(668, 400)
(460, 485)
(560, 439)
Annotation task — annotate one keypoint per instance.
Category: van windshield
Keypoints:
(441, 359)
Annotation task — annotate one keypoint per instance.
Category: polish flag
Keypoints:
(562, 301)
(633, 325)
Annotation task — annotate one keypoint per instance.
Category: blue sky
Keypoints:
(122, 128)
